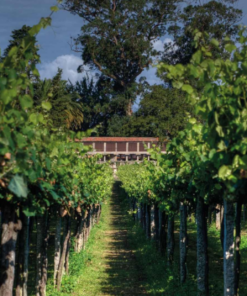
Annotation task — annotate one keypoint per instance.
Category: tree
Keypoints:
(223, 108)
(95, 101)
(64, 109)
(17, 40)
(162, 112)
(218, 18)
(117, 38)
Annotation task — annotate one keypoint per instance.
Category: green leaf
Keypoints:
(29, 211)
(3, 81)
(197, 57)
(35, 29)
(26, 102)
(46, 105)
(224, 171)
(40, 118)
(33, 118)
(215, 42)
(18, 186)
(12, 51)
(194, 71)
(218, 186)
(230, 47)
(35, 72)
(21, 140)
(188, 88)
(244, 160)
(54, 8)
(54, 195)
(219, 130)
(177, 84)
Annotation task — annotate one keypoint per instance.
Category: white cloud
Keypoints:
(69, 64)
(159, 44)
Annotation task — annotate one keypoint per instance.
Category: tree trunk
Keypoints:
(22, 267)
(20, 259)
(141, 215)
(163, 232)
(99, 212)
(152, 222)
(88, 223)
(139, 212)
(156, 223)
(183, 241)
(85, 227)
(160, 227)
(218, 216)
(42, 259)
(229, 271)
(129, 108)
(79, 233)
(144, 216)
(39, 245)
(237, 249)
(57, 246)
(202, 248)
(170, 239)
(45, 255)
(148, 214)
(10, 228)
(68, 248)
(91, 218)
(244, 213)
(26, 255)
(63, 255)
(82, 226)
(222, 226)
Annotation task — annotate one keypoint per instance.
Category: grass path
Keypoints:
(112, 267)
(119, 260)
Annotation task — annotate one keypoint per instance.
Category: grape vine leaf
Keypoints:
(18, 186)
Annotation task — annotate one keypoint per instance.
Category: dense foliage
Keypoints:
(218, 18)
(117, 38)
(42, 166)
(204, 164)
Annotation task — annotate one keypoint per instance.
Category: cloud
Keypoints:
(159, 44)
(69, 65)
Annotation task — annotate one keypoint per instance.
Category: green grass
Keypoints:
(119, 260)
(80, 265)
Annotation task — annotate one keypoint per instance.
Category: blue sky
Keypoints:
(54, 41)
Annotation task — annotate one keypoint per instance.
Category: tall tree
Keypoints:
(52, 94)
(95, 99)
(118, 35)
(218, 18)
(162, 113)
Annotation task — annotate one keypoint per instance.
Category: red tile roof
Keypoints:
(119, 139)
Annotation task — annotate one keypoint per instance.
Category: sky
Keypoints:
(54, 41)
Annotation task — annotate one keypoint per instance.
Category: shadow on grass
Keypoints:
(135, 267)
(133, 264)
